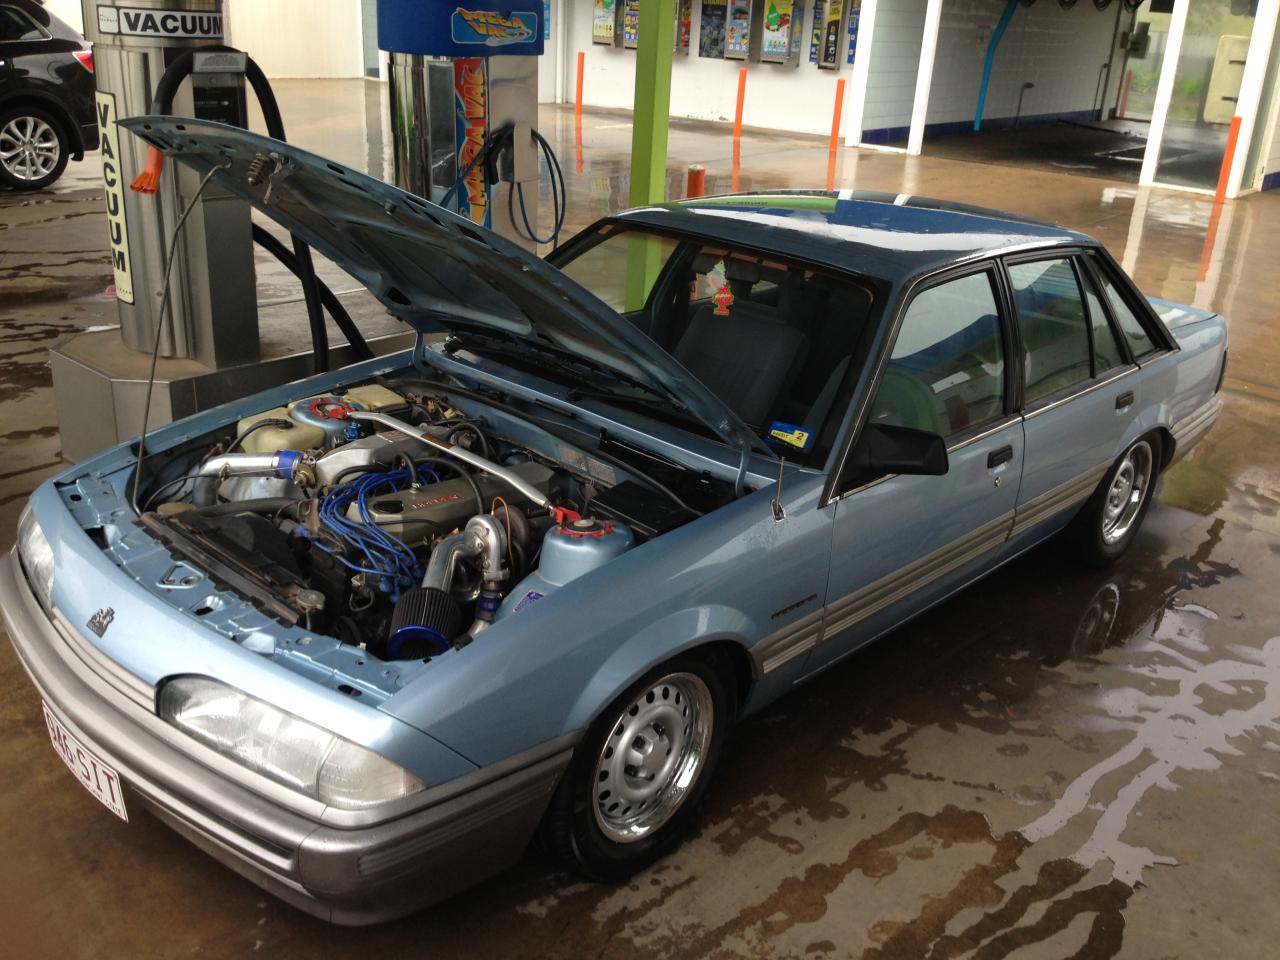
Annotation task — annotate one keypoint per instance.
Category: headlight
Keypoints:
(291, 751)
(37, 558)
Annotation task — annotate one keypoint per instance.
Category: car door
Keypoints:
(1080, 389)
(901, 542)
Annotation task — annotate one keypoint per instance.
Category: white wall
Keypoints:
(299, 38)
(779, 97)
(1060, 51)
(68, 11)
(895, 61)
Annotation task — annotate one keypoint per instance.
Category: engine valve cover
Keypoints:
(436, 509)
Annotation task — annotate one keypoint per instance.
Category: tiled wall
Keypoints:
(1060, 51)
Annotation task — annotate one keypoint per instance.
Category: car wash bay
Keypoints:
(1146, 92)
(1055, 763)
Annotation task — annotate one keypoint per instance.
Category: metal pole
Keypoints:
(1249, 99)
(1164, 91)
(651, 115)
(924, 76)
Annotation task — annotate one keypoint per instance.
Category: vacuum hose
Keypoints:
(313, 291)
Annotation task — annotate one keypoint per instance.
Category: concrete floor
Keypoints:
(1056, 763)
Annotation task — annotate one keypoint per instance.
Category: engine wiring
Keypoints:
(385, 555)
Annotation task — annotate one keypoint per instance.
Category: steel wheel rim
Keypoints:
(1126, 493)
(652, 757)
(29, 148)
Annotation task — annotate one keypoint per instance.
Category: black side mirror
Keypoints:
(884, 449)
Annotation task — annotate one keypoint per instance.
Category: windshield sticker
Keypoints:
(791, 435)
(492, 28)
(723, 300)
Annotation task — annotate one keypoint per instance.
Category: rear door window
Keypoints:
(1140, 342)
(1054, 324)
(16, 25)
(1107, 354)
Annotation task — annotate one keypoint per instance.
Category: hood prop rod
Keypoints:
(466, 456)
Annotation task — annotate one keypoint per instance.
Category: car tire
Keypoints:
(1106, 526)
(33, 148)
(609, 818)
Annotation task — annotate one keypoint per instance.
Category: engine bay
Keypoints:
(405, 518)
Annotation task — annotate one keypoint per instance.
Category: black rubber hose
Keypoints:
(457, 468)
(559, 433)
(268, 241)
(173, 76)
(263, 505)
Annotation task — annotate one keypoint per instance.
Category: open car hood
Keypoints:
(435, 270)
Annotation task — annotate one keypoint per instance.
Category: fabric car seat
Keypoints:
(744, 354)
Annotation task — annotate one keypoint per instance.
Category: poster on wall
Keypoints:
(855, 14)
(684, 25)
(737, 36)
(602, 22)
(829, 55)
(630, 23)
(711, 41)
(775, 35)
(815, 38)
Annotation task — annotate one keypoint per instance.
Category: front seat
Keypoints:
(744, 356)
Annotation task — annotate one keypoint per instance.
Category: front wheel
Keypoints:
(1106, 526)
(639, 778)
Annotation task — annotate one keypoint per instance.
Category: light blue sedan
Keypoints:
(362, 636)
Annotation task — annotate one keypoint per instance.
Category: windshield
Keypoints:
(773, 339)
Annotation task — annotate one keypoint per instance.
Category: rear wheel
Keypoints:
(639, 778)
(33, 148)
(1111, 518)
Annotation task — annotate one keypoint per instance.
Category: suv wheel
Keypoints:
(33, 148)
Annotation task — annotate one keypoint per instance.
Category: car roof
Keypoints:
(889, 236)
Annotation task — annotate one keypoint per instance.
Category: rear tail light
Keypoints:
(85, 57)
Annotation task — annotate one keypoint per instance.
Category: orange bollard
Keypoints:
(737, 166)
(1228, 156)
(697, 184)
(577, 100)
(836, 118)
(742, 96)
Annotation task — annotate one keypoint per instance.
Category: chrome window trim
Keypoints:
(45, 35)
(1089, 386)
(989, 260)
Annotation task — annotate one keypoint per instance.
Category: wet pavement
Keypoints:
(1054, 763)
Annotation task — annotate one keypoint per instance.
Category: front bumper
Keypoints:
(464, 831)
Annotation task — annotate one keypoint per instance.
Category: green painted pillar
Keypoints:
(657, 29)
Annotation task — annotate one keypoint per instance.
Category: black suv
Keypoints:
(46, 95)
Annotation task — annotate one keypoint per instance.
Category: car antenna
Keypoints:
(779, 514)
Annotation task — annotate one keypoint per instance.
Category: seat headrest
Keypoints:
(706, 262)
(741, 270)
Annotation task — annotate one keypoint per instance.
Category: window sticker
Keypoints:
(791, 435)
